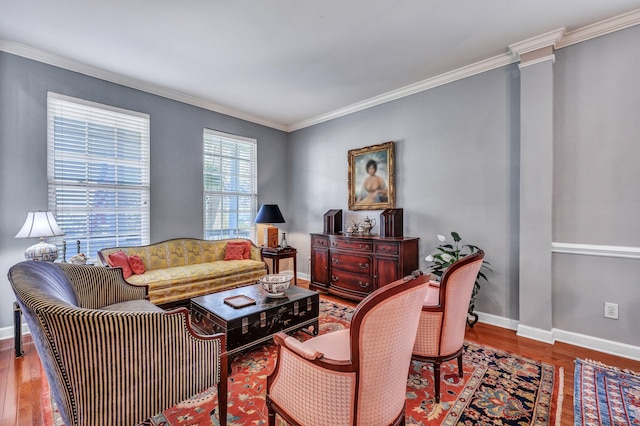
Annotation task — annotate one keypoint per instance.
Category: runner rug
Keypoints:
(497, 388)
(605, 395)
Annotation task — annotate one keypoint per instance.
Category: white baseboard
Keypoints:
(601, 345)
(7, 332)
(556, 335)
(497, 321)
(545, 336)
(304, 276)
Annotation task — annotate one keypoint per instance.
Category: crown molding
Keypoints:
(71, 65)
(558, 39)
(430, 83)
(601, 28)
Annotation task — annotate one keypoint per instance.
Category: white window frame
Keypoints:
(237, 199)
(77, 193)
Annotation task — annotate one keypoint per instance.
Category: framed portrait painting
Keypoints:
(371, 181)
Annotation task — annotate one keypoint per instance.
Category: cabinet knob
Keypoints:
(334, 279)
(363, 285)
(363, 265)
(334, 261)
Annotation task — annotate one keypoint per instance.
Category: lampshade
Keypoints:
(269, 213)
(40, 224)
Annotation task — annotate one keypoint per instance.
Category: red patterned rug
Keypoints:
(605, 395)
(497, 388)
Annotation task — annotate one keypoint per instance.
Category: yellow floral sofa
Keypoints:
(183, 268)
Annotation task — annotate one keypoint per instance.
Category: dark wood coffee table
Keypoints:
(255, 324)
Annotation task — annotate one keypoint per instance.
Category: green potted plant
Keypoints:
(445, 255)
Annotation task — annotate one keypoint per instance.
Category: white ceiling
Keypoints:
(285, 62)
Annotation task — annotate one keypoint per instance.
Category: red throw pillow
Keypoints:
(234, 252)
(137, 266)
(246, 248)
(120, 259)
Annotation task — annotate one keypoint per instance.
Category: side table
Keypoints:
(277, 254)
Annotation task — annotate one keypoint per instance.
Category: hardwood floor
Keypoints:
(22, 380)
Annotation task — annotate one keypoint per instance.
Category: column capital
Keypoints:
(537, 49)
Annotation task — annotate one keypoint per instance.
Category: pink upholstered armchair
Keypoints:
(444, 316)
(356, 376)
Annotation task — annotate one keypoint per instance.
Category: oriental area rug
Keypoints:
(605, 395)
(498, 388)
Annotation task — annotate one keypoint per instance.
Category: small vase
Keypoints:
(283, 242)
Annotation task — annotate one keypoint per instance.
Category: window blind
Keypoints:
(98, 174)
(230, 186)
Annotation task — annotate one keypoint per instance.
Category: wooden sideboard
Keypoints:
(354, 266)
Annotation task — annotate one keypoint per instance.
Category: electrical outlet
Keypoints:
(611, 310)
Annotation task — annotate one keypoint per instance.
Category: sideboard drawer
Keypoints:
(352, 245)
(387, 248)
(353, 282)
(352, 266)
(319, 241)
(360, 264)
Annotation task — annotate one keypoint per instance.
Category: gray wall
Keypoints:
(456, 170)
(176, 154)
(597, 184)
(458, 167)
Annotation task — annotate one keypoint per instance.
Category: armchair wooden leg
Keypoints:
(271, 415)
(436, 379)
(460, 371)
(222, 390)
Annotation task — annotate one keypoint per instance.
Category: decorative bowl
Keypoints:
(79, 259)
(275, 284)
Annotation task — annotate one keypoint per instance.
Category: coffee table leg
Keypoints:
(295, 270)
(312, 329)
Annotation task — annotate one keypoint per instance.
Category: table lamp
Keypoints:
(40, 224)
(268, 214)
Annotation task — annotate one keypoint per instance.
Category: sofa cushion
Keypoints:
(120, 259)
(133, 306)
(168, 277)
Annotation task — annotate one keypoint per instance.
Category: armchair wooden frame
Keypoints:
(442, 326)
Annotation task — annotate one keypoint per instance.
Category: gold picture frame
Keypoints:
(371, 177)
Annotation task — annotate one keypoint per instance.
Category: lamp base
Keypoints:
(42, 251)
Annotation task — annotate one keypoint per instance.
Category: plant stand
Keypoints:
(472, 317)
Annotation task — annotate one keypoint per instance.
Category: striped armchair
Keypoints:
(110, 356)
(356, 376)
(443, 319)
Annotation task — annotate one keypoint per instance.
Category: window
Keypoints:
(230, 186)
(98, 174)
